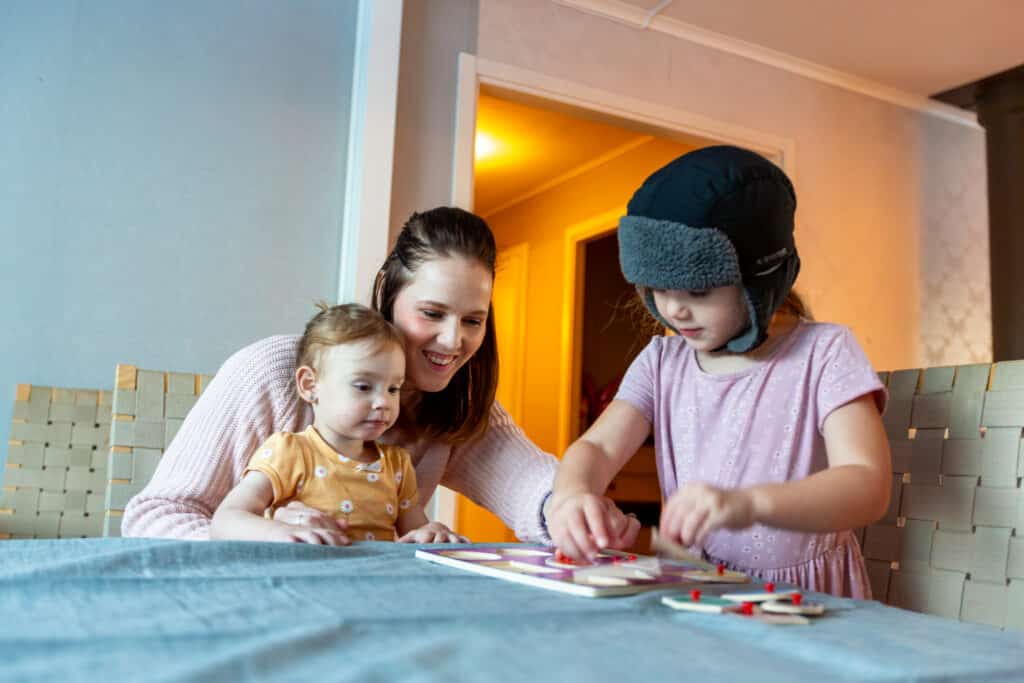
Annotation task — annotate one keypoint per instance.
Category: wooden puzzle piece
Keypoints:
(794, 606)
(663, 547)
(712, 604)
(717, 575)
(768, 593)
(695, 602)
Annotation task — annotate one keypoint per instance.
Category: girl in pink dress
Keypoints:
(766, 426)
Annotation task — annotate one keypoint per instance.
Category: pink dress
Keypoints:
(253, 396)
(760, 425)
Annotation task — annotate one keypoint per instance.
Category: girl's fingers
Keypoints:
(596, 515)
(627, 536)
(671, 520)
(581, 537)
(690, 525)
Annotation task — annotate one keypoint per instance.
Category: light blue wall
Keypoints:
(171, 180)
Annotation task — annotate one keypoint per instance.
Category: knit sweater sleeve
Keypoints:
(252, 396)
(506, 473)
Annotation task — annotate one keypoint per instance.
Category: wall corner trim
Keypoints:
(635, 17)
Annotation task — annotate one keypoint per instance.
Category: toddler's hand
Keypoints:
(582, 524)
(433, 532)
(288, 533)
(313, 526)
(698, 509)
(297, 514)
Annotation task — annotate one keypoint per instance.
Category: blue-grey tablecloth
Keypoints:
(135, 609)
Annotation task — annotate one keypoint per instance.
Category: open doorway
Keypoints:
(552, 173)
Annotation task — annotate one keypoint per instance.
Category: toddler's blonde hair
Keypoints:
(344, 324)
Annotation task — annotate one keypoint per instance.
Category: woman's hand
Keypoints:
(433, 532)
(582, 524)
(698, 509)
(312, 520)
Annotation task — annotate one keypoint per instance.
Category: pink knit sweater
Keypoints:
(253, 395)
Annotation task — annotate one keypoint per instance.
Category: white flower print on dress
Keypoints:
(370, 536)
(405, 504)
(320, 471)
(346, 506)
(372, 477)
(390, 508)
(398, 477)
(267, 453)
(342, 458)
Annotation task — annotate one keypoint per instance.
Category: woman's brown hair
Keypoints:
(461, 410)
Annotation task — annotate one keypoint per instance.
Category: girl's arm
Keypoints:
(853, 491)
(581, 517)
(240, 517)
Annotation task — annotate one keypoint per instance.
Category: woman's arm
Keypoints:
(506, 473)
(251, 397)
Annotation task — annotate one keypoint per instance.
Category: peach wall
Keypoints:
(542, 222)
(891, 201)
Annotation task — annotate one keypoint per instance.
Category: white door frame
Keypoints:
(475, 71)
(371, 145)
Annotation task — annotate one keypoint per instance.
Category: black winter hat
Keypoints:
(714, 217)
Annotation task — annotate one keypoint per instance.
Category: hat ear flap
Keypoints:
(764, 298)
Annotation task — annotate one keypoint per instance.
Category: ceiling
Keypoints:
(922, 47)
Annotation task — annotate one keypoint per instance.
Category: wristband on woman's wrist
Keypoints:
(545, 535)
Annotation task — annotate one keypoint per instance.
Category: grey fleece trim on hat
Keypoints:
(668, 255)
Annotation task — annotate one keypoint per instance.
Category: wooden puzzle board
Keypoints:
(613, 573)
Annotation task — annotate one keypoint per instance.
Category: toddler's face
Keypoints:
(706, 319)
(357, 389)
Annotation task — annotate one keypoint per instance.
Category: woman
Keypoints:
(435, 286)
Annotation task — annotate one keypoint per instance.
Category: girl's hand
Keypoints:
(433, 532)
(583, 524)
(297, 514)
(698, 509)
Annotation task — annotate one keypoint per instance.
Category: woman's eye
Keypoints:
(433, 315)
(698, 293)
(475, 322)
(361, 387)
(394, 390)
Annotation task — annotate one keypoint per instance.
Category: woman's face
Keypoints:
(442, 312)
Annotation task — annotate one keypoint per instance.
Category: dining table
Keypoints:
(131, 609)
